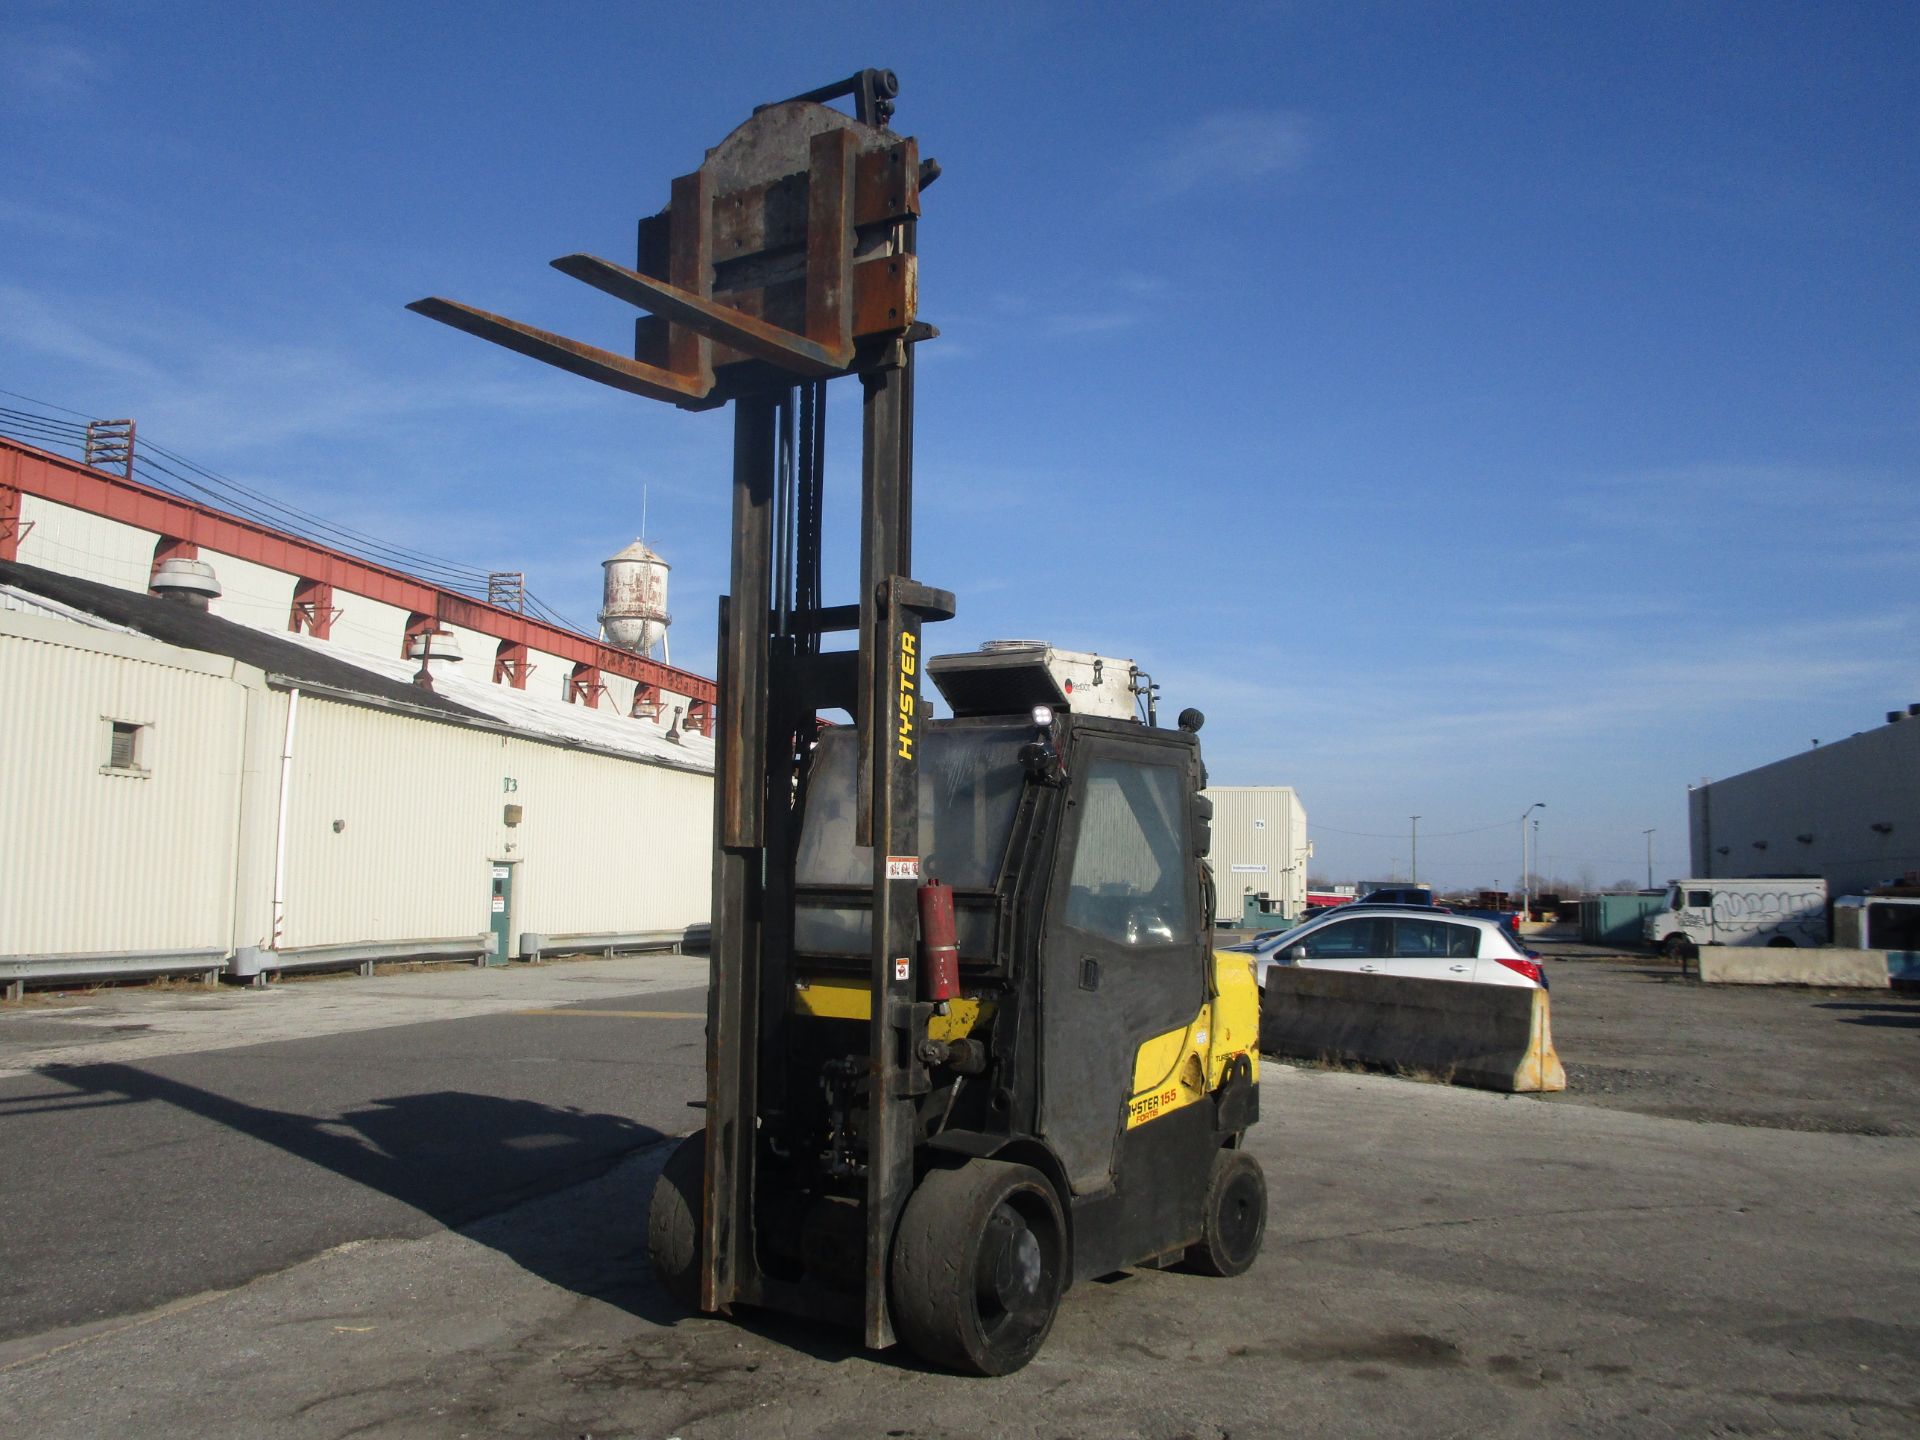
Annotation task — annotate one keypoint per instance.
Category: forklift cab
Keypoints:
(1084, 1095)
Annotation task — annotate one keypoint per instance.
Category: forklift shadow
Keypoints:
(464, 1160)
(1888, 1014)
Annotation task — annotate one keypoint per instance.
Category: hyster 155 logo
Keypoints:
(909, 695)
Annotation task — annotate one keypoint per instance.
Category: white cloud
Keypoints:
(47, 328)
(1229, 145)
(45, 70)
(1695, 679)
(44, 220)
(1724, 488)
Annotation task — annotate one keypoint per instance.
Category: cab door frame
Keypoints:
(1100, 995)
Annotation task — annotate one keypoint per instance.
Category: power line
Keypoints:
(33, 400)
(294, 512)
(1401, 834)
(241, 499)
(547, 612)
(145, 468)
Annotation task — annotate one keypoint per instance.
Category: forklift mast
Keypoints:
(934, 1100)
(788, 259)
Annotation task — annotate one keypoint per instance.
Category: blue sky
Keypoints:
(1463, 405)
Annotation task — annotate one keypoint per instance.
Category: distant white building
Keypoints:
(1847, 811)
(1259, 847)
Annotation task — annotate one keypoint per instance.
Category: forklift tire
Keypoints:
(1234, 1221)
(979, 1265)
(673, 1220)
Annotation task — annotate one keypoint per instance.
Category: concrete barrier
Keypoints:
(1496, 1037)
(1792, 965)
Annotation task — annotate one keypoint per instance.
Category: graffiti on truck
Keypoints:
(1782, 912)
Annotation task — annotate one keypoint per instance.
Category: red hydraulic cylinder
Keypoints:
(939, 944)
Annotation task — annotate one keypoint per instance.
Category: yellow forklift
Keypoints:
(967, 1040)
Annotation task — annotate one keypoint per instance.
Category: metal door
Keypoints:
(500, 912)
(1123, 956)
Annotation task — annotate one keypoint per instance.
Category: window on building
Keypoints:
(126, 748)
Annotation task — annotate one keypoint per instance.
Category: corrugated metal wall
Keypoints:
(250, 594)
(1259, 844)
(386, 828)
(120, 863)
(1847, 811)
(75, 542)
(604, 845)
(104, 862)
(608, 845)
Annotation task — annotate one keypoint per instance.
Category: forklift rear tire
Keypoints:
(673, 1220)
(1235, 1219)
(979, 1264)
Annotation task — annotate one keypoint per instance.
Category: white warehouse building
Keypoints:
(184, 793)
(228, 749)
(1260, 847)
(1847, 811)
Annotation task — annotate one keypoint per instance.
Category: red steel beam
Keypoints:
(11, 528)
(66, 482)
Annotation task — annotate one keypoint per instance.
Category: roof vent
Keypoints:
(1894, 716)
(191, 582)
(437, 651)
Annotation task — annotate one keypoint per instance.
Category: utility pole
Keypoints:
(1526, 874)
(1415, 865)
(1649, 835)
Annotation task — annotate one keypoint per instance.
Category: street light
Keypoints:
(1649, 835)
(1526, 874)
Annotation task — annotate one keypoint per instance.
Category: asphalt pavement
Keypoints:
(1635, 1034)
(440, 1231)
(160, 1178)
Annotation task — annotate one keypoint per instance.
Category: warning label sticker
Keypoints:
(902, 970)
(903, 867)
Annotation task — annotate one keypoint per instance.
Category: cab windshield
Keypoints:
(970, 781)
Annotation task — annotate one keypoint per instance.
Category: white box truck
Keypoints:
(1791, 911)
(1887, 919)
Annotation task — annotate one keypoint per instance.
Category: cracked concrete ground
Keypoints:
(1438, 1262)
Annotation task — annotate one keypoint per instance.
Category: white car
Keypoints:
(1419, 942)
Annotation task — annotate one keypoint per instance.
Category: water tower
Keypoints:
(633, 611)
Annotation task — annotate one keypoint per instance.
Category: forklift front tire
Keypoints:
(1235, 1219)
(979, 1264)
(673, 1220)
